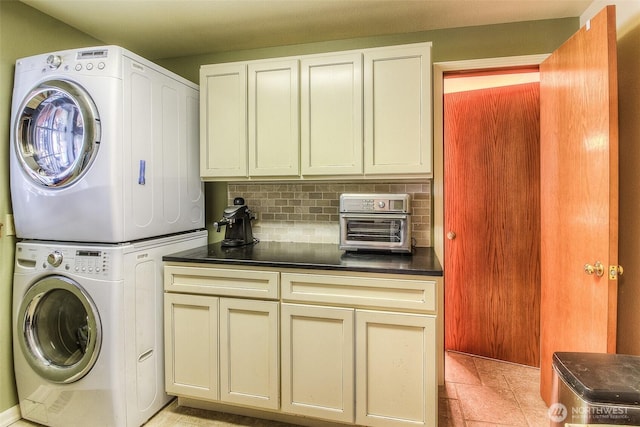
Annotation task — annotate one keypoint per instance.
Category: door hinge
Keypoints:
(615, 271)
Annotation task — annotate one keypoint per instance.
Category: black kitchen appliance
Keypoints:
(237, 219)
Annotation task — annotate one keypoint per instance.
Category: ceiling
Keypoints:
(173, 28)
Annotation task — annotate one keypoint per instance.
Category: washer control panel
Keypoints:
(87, 261)
(90, 261)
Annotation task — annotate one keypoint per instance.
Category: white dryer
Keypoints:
(88, 331)
(105, 148)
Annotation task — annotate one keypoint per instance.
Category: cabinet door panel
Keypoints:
(395, 369)
(249, 365)
(223, 121)
(317, 362)
(331, 114)
(397, 99)
(191, 345)
(274, 117)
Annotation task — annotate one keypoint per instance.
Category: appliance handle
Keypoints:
(346, 215)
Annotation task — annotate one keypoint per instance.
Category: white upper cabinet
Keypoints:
(274, 117)
(331, 114)
(397, 102)
(223, 120)
(361, 114)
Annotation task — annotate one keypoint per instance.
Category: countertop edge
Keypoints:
(313, 256)
(303, 266)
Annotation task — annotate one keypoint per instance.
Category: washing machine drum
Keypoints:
(59, 329)
(57, 133)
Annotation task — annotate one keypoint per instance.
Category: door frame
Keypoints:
(439, 69)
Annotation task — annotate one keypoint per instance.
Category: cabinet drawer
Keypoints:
(396, 293)
(222, 281)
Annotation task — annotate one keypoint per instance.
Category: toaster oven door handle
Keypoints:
(370, 216)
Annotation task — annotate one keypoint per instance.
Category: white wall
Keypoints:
(627, 14)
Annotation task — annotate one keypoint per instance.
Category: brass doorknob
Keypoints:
(451, 235)
(597, 269)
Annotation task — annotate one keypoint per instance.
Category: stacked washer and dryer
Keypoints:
(104, 182)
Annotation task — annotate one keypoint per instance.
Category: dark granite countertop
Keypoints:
(319, 256)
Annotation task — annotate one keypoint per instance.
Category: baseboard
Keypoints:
(257, 413)
(10, 416)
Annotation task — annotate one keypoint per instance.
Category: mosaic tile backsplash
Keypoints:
(308, 212)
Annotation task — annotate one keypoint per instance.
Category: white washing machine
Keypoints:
(105, 148)
(88, 331)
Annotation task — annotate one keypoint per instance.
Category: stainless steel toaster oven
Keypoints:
(375, 222)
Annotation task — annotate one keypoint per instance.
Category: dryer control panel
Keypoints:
(105, 61)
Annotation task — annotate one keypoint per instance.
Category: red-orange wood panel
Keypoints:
(492, 178)
(579, 193)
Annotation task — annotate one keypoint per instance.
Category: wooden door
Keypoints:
(579, 193)
(492, 269)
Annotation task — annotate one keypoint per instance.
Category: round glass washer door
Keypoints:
(57, 133)
(60, 330)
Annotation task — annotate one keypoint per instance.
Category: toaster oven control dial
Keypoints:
(381, 204)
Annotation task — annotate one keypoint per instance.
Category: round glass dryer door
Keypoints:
(59, 329)
(57, 133)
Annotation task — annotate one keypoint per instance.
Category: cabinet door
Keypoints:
(397, 100)
(317, 362)
(331, 114)
(274, 116)
(396, 383)
(249, 362)
(191, 345)
(223, 121)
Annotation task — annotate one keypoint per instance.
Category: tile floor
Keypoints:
(478, 392)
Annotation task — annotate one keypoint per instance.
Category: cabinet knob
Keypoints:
(451, 235)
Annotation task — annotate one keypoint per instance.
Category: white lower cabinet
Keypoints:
(317, 362)
(249, 363)
(389, 357)
(330, 347)
(396, 378)
(191, 345)
(222, 349)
